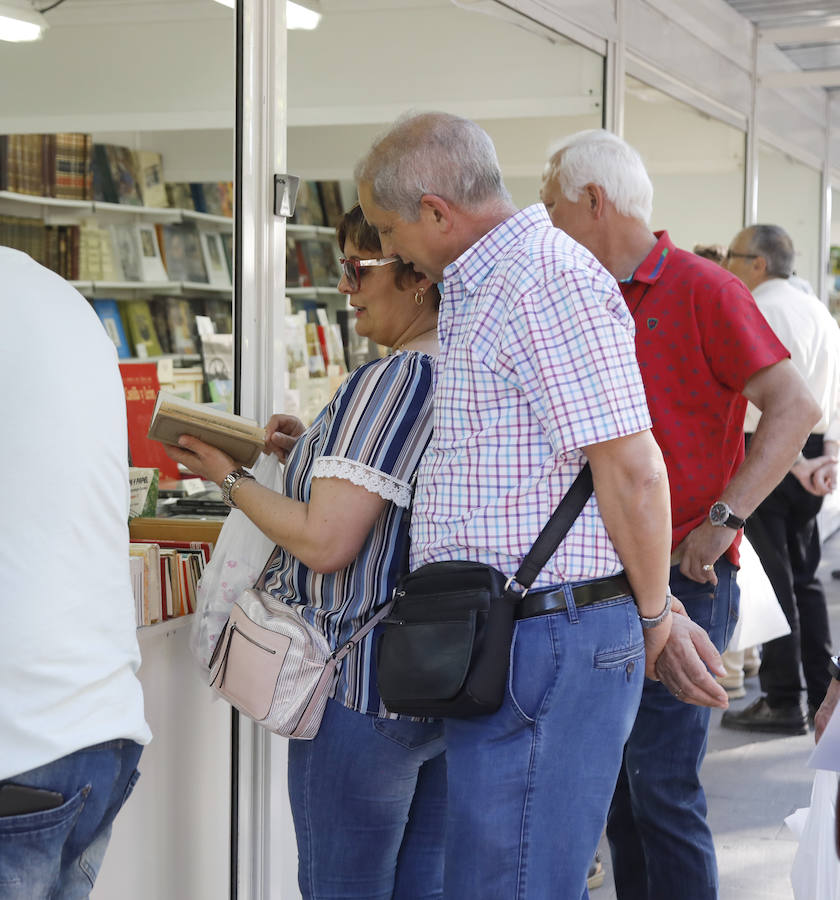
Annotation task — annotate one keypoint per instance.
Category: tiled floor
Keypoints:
(752, 783)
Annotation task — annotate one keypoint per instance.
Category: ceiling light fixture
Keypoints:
(305, 15)
(20, 22)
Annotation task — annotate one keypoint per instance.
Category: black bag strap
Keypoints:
(562, 519)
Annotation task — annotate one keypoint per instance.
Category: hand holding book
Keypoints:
(201, 459)
(281, 434)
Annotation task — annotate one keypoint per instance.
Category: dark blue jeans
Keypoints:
(368, 800)
(57, 853)
(660, 843)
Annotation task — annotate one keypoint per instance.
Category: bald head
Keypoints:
(432, 153)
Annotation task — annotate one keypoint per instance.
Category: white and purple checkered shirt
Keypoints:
(537, 361)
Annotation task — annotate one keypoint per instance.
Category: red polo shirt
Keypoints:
(699, 339)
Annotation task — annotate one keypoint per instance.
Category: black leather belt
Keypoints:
(542, 602)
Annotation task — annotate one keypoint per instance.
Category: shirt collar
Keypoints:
(653, 265)
(479, 260)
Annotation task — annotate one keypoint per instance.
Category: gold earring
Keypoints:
(418, 296)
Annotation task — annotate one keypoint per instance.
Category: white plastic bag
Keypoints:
(237, 560)
(761, 619)
(815, 874)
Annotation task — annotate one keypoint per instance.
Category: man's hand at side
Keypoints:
(682, 664)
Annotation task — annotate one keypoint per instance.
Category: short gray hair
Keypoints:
(601, 157)
(775, 245)
(432, 153)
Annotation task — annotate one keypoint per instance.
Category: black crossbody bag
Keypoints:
(444, 649)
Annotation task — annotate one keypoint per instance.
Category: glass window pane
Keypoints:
(696, 164)
(336, 109)
(789, 195)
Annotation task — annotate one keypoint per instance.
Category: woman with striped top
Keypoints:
(368, 793)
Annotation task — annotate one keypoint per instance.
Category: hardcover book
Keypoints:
(182, 249)
(149, 167)
(151, 262)
(329, 193)
(308, 210)
(109, 314)
(179, 195)
(241, 438)
(141, 386)
(321, 262)
(214, 262)
(180, 320)
(123, 175)
(141, 328)
(127, 251)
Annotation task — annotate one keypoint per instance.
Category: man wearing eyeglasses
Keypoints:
(703, 349)
(783, 529)
(537, 374)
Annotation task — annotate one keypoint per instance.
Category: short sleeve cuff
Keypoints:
(398, 492)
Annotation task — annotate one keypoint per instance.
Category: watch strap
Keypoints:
(229, 482)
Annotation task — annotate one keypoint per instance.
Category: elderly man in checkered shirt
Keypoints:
(537, 375)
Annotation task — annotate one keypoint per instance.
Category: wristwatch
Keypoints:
(228, 482)
(721, 515)
(834, 667)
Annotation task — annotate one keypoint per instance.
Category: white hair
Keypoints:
(432, 153)
(601, 157)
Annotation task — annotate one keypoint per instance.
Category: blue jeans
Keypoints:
(57, 853)
(660, 843)
(368, 800)
(529, 786)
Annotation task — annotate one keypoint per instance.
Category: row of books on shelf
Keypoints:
(164, 578)
(162, 325)
(311, 261)
(127, 252)
(70, 166)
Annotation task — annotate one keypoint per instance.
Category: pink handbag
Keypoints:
(274, 667)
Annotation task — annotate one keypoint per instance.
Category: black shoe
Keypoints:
(760, 716)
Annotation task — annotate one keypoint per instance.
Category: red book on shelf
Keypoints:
(141, 388)
(322, 340)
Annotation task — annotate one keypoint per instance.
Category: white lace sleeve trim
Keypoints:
(364, 476)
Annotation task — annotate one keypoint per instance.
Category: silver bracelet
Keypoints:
(658, 620)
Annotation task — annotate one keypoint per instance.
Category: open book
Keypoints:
(241, 438)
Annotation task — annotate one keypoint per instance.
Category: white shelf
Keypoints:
(176, 288)
(202, 287)
(313, 291)
(184, 357)
(55, 202)
(156, 213)
(165, 628)
(190, 215)
(99, 207)
(311, 230)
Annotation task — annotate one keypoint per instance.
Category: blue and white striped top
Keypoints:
(373, 433)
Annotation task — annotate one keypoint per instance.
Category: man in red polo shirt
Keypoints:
(704, 349)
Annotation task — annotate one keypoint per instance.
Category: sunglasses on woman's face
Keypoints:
(353, 269)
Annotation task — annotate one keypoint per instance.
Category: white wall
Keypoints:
(696, 165)
(789, 195)
(440, 57)
(171, 840)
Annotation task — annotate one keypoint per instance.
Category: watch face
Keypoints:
(719, 513)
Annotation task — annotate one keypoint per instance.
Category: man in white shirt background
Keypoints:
(783, 529)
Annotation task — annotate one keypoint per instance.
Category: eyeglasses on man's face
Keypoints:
(352, 269)
(730, 254)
